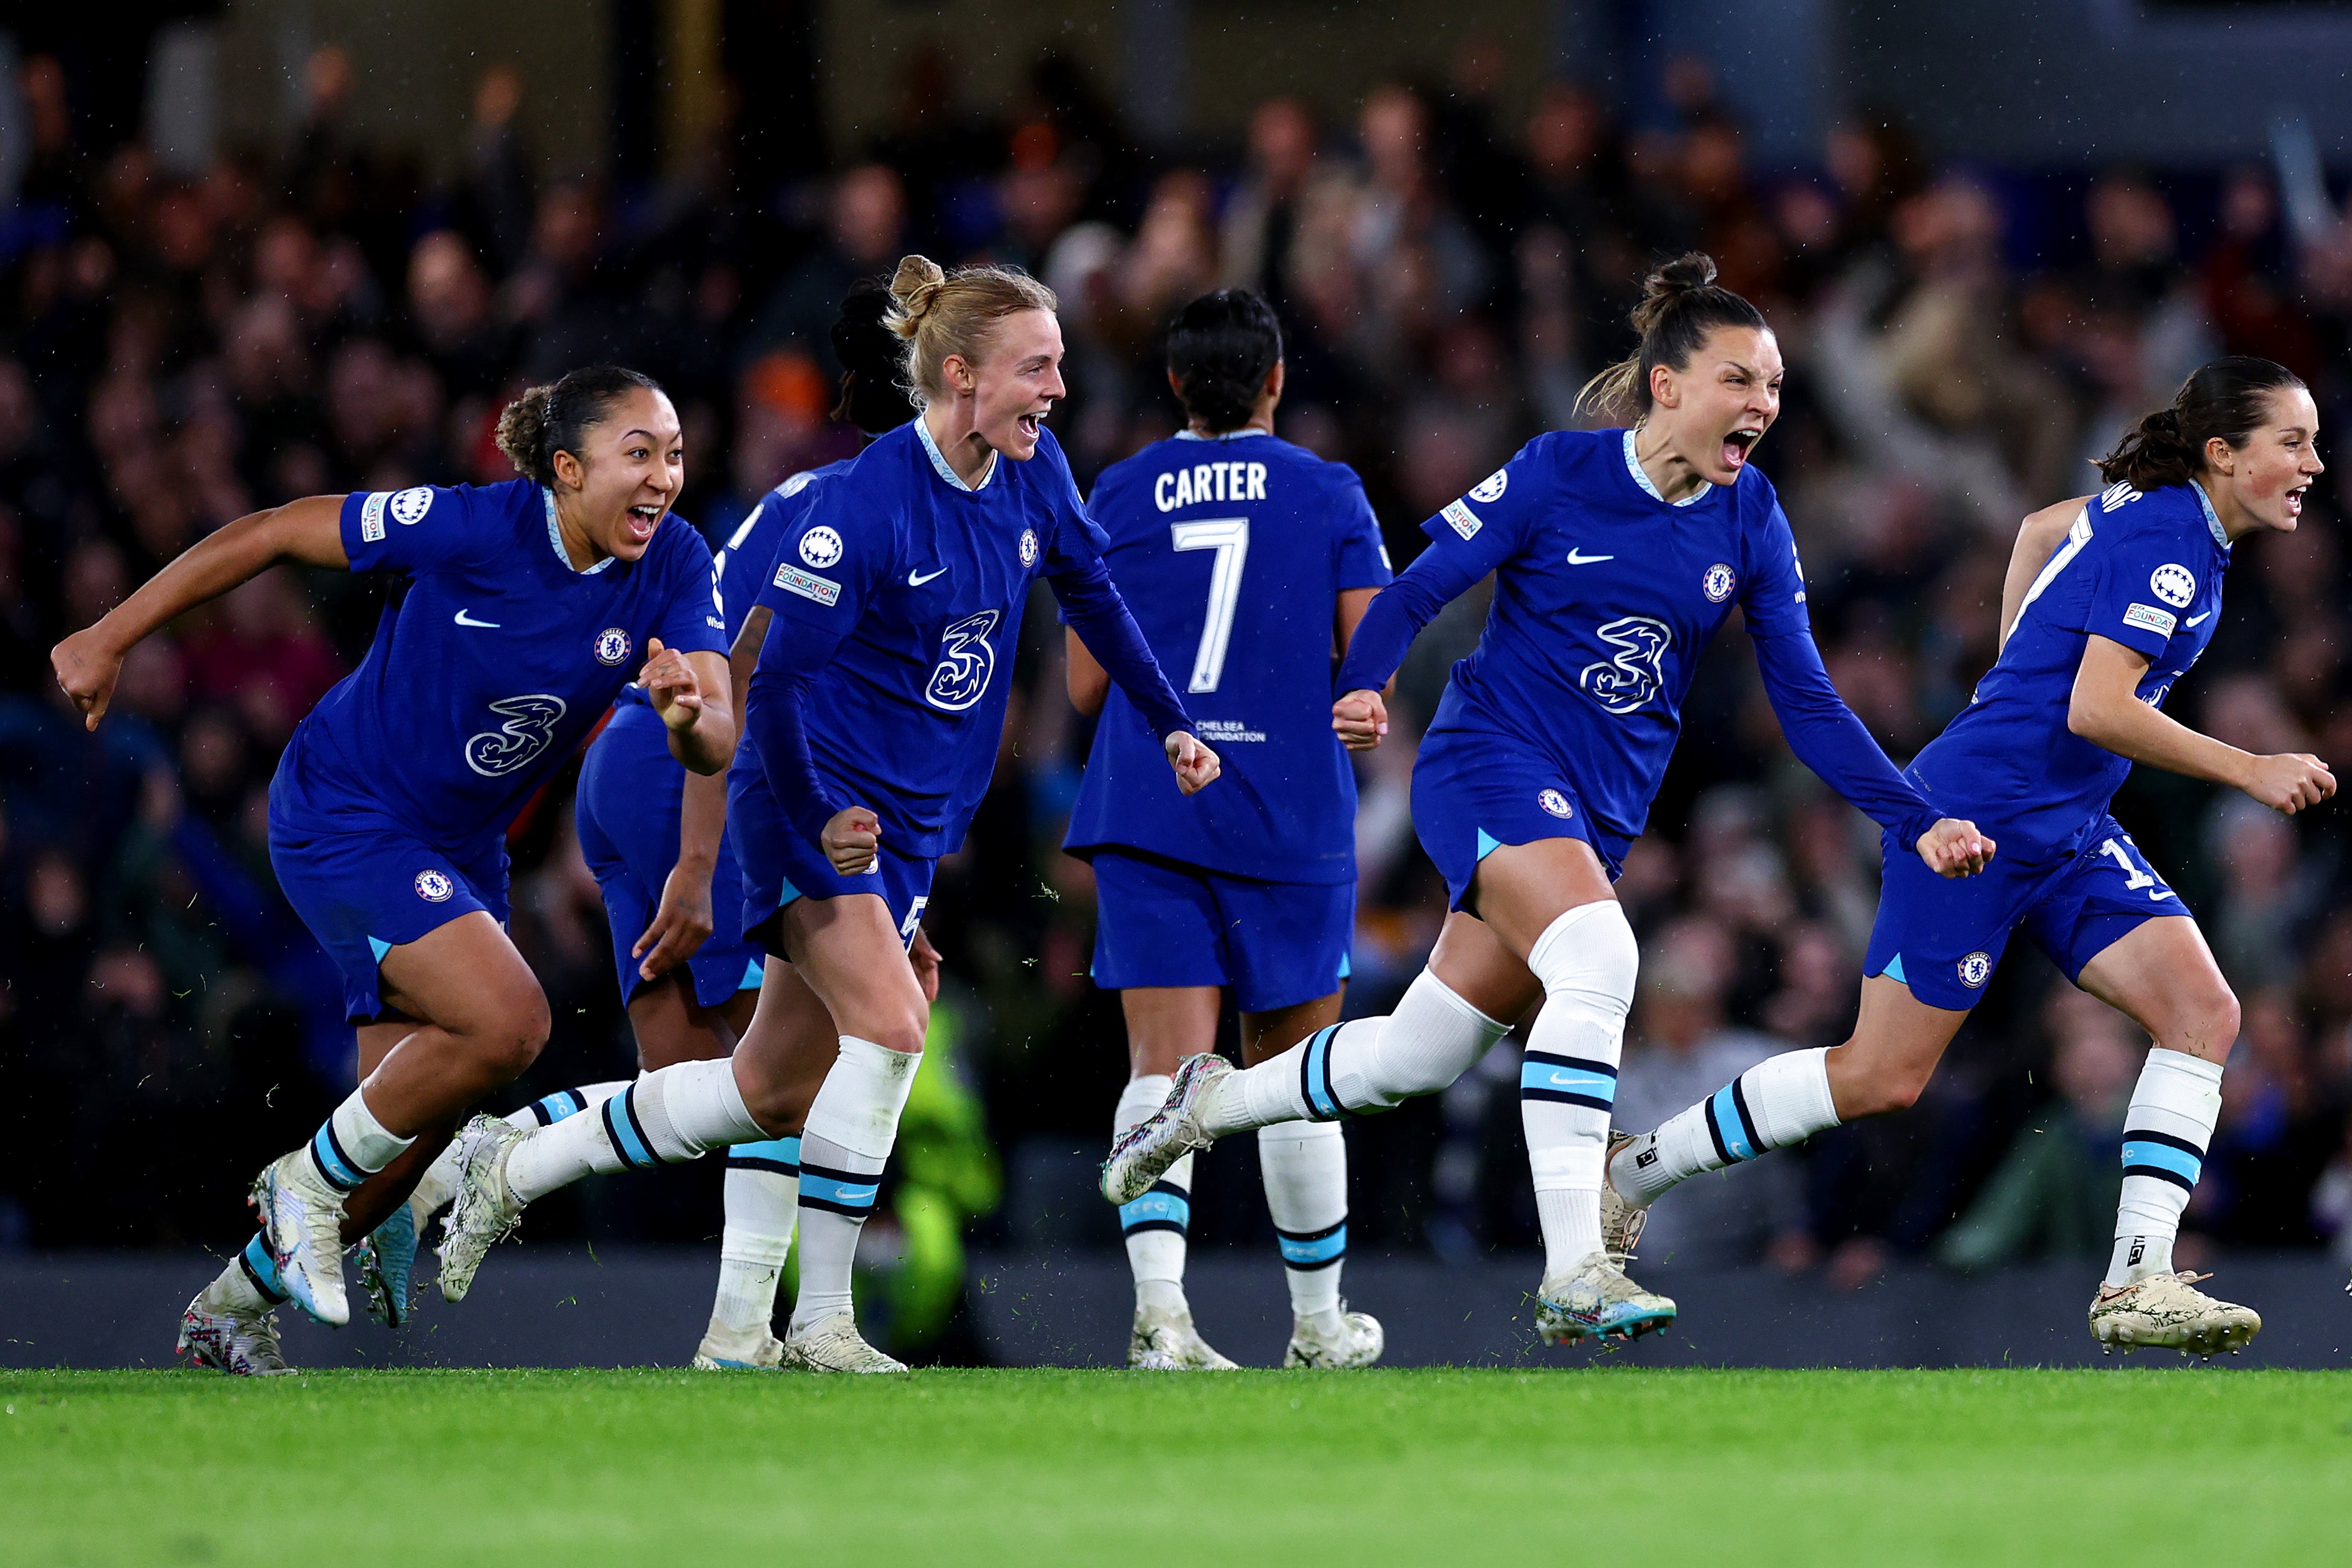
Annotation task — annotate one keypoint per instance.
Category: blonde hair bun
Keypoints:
(914, 289)
(952, 315)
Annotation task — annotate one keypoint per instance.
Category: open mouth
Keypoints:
(2294, 498)
(1031, 424)
(1735, 445)
(643, 520)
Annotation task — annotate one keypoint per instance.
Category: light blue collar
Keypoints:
(1642, 477)
(2212, 518)
(555, 538)
(1226, 436)
(946, 470)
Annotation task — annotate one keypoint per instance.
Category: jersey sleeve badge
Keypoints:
(808, 584)
(2174, 584)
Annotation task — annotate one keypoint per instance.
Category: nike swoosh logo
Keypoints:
(465, 620)
(917, 579)
(1578, 558)
(1563, 1077)
(2197, 620)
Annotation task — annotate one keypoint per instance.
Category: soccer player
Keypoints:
(519, 610)
(2109, 600)
(1248, 559)
(1617, 555)
(876, 712)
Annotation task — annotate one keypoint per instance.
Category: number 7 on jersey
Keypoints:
(1229, 537)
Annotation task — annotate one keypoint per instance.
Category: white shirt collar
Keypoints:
(946, 470)
(1226, 436)
(2212, 518)
(1642, 477)
(555, 538)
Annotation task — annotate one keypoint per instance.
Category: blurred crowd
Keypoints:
(176, 350)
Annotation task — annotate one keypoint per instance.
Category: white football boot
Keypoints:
(302, 1217)
(1359, 1343)
(2167, 1311)
(1142, 1153)
(240, 1343)
(485, 1209)
(386, 1257)
(1596, 1299)
(1164, 1339)
(1622, 1219)
(833, 1345)
(739, 1350)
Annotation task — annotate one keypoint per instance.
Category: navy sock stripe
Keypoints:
(1715, 1133)
(1310, 1234)
(1747, 1117)
(270, 1293)
(2133, 1135)
(754, 1162)
(2162, 1175)
(1553, 1060)
(1562, 1097)
(1140, 1227)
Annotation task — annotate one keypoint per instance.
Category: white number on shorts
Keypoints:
(2134, 877)
(529, 730)
(1633, 678)
(914, 921)
(966, 661)
(1229, 537)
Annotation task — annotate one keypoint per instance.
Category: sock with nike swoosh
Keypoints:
(1587, 960)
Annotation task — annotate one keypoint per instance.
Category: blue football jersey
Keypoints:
(925, 579)
(1604, 599)
(1232, 553)
(492, 662)
(2144, 570)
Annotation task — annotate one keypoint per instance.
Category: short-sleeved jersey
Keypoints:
(1232, 553)
(2144, 570)
(925, 579)
(492, 662)
(1604, 598)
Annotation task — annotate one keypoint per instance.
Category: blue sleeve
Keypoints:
(1360, 560)
(1468, 539)
(693, 621)
(830, 561)
(1821, 729)
(406, 531)
(2144, 583)
(790, 660)
(1091, 606)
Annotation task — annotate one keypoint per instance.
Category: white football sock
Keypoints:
(678, 1113)
(2166, 1133)
(763, 1188)
(1305, 1167)
(439, 1182)
(844, 1146)
(1373, 1064)
(351, 1145)
(1781, 1100)
(1587, 960)
(1155, 1225)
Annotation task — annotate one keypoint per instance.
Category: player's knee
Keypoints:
(2209, 1024)
(1881, 1089)
(512, 1035)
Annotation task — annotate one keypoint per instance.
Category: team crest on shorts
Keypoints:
(820, 547)
(434, 887)
(410, 505)
(1492, 487)
(1551, 800)
(612, 645)
(1718, 582)
(1028, 547)
(1975, 969)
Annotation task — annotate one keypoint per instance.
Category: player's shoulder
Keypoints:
(1137, 468)
(677, 545)
(1567, 449)
(2165, 513)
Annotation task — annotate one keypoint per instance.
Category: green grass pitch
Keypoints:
(1429, 1467)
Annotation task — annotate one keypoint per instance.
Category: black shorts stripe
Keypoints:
(2166, 1138)
(1589, 1101)
(1311, 1235)
(2161, 1174)
(1551, 1060)
(1140, 1227)
(740, 1163)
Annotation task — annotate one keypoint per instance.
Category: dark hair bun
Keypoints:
(1669, 283)
(557, 418)
(1681, 304)
(2227, 400)
(872, 361)
(1221, 349)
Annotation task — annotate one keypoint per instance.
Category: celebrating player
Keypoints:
(2110, 599)
(1617, 555)
(518, 611)
(876, 712)
(1249, 570)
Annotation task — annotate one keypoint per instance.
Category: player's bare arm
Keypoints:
(2106, 711)
(2038, 538)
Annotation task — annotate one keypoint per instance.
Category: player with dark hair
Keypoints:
(876, 712)
(1617, 555)
(1249, 561)
(2109, 600)
(518, 611)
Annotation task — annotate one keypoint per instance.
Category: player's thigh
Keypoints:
(1897, 1041)
(377, 1040)
(465, 977)
(1473, 963)
(849, 952)
(2162, 976)
(1270, 1032)
(1165, 1024)
(1523, 888)
(787, 1046)
(670, 1027)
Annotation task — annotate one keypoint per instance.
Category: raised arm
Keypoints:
(2105, 710)
(309, 531)
(2037, 538)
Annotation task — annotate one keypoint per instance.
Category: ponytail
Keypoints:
(2227, 400)
(1681, 304)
